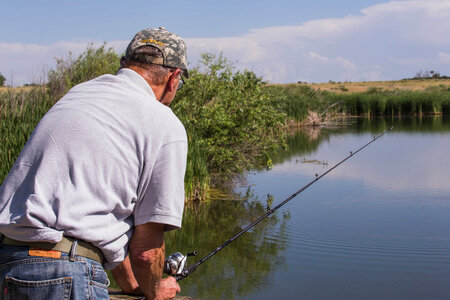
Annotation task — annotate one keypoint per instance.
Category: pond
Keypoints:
(376, 227)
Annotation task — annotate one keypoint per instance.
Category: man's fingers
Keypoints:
(169, 288)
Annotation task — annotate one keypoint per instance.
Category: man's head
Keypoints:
(160, 57)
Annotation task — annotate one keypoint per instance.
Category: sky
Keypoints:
(282, 41)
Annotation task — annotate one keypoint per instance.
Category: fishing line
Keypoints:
(175, 263)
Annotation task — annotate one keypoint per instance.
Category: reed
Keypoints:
(197, 179)
(20, 111)
(298, 99)
(392, 103)
(292, 99)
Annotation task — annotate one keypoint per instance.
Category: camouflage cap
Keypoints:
(171, 45)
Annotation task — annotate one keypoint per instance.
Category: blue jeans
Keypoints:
(32, 277)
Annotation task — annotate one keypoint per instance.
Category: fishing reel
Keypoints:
(175, 264)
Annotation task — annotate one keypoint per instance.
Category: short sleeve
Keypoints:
(162, 200)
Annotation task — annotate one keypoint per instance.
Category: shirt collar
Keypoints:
(137, 80)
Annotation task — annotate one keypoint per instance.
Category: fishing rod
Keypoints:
(175, 264)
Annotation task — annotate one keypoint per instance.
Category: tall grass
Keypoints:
(395, 103)
(197, 179)
(292, 99)
(20, 111)
(298, 99)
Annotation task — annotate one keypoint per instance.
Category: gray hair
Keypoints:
(148, 57)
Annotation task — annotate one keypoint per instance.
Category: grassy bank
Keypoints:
(391, 103)
(301, 101)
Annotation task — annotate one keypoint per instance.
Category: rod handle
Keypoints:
(186, 272)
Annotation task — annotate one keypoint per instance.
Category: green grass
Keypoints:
(391, 103)
(299, 99)
(20, 111)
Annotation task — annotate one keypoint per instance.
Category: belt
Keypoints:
(65, 245)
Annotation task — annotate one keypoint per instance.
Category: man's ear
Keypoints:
(173, 80)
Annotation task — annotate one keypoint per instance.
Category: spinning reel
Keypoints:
(175, 264)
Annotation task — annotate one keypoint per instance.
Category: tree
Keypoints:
(2, 79)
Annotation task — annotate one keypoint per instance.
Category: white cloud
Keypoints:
(27, 63)
(347, 64)
(407, 33)
(317, 57)
(444, 57)
(417, 62)
(401, 37)
(373, 75)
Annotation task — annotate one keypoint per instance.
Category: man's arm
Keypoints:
(123, 274)
(147, 261)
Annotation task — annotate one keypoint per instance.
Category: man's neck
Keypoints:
(158, 90)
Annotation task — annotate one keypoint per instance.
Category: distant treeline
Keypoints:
(234, 120)
(428, 75)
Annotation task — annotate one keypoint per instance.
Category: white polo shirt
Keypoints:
(106, 157)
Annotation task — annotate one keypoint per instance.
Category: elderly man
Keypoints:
(99, 182)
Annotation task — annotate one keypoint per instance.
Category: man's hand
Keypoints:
(167, 289)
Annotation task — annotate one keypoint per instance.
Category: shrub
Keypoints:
(228, 111)
(92, 63)
(2, 79)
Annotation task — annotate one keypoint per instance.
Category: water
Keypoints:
(377, 227)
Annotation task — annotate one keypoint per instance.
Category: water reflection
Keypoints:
(378, 226)
(412, 156)
(245, 265)
(307, 140)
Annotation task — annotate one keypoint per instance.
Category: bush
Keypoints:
(90, 64)
(2, 79)
(234, 120)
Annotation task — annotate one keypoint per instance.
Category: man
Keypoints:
(99, 182)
